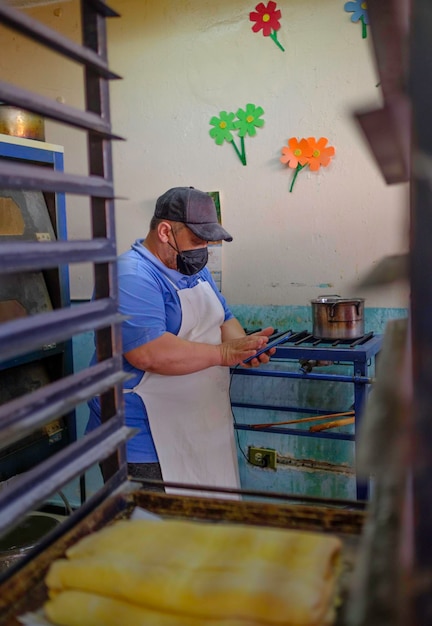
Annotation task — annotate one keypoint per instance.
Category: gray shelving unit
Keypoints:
(29, 338)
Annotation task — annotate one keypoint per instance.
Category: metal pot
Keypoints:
(21, 123)
(338, 318)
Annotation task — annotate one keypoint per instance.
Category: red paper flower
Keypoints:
(320, 155)
(296, 152)
(265, 18)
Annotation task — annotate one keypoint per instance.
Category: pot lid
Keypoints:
(333, 299)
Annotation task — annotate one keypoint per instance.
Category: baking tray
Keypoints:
(25, 591)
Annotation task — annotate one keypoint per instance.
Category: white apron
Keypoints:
(190, 415)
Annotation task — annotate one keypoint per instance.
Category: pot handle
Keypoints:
(324, 299)
(332, 304)
(332, 309)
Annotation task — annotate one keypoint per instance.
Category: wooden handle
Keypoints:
(304, 419)
(335, 424)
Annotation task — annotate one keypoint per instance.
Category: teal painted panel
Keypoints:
(83, 347)
(299, 482)
(313, 394)
(299, 318)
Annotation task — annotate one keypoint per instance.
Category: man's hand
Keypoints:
(235, 351)
(265, 356)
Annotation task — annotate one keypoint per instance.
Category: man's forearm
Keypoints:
(173, 356)
(232, 329)
(170, 355)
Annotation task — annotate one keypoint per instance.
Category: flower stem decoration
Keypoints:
(267, 18)
(244, 122)
(299, 154)
(358, 8)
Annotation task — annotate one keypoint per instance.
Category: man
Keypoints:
(179, 340)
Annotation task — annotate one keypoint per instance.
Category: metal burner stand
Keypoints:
(360, 355)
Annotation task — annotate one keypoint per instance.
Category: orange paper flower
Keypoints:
(296, 152)
(321, 155)
(312, 152)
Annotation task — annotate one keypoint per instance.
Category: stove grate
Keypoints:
(306, 338)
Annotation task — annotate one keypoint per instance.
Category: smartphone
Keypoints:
(271, 344)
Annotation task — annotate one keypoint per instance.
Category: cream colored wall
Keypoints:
(182, 63)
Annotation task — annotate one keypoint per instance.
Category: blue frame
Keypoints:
(12, 148)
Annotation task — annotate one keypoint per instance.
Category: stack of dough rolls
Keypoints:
(186, 573)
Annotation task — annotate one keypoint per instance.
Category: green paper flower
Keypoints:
(249, 120)
(223, 125)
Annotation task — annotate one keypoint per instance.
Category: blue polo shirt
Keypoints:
(148, 296)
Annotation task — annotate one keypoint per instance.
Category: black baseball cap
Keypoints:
(194, 208)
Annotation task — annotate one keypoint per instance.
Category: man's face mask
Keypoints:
(190, 262)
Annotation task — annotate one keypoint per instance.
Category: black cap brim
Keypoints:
(210, 232)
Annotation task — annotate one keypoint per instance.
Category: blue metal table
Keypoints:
(361, 356)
